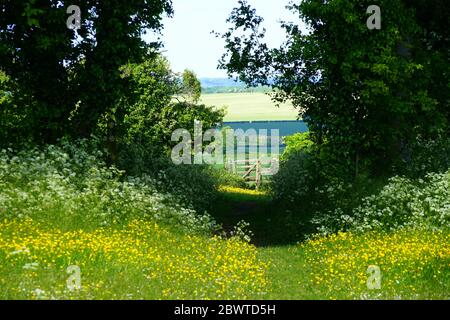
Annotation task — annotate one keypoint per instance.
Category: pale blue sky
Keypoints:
(189, 43)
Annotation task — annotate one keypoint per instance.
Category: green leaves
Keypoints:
(61, 74)
(32, 14)
(363, 91)
(191, 87)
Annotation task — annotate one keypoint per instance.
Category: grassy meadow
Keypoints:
(129, 238)
(250, 107)
(133, 239)
(414, 263)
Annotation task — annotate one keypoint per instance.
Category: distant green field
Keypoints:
(250, 107)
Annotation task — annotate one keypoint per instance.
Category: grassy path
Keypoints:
(415, 264)
(270, 226)
(274, 238)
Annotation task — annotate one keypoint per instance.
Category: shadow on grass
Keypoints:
(270, 223)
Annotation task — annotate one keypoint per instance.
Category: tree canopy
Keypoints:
(367, 95)
(61, 73)
(191, 86)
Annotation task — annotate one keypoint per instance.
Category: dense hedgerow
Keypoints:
(401, 203)
(71, 187)
(314, 188)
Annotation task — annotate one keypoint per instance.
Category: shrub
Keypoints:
(297, 168)
(224, 177)
(71, 187)
(139, 260)
(297, 143)
(401, 203)
(197, 186)
(192, 185)
(326, 198)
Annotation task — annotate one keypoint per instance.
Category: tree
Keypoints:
(34, 43)
(151, 115)
(64, 74)
(191, 87)
(364, 93)
(10, 116)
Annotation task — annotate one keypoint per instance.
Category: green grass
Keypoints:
(415, 264)
(250, 107)
(140, 260)
(270, 225)
(134, 243)
(129, 240)
(337, 269)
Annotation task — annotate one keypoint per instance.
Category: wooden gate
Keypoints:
(250, 170)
